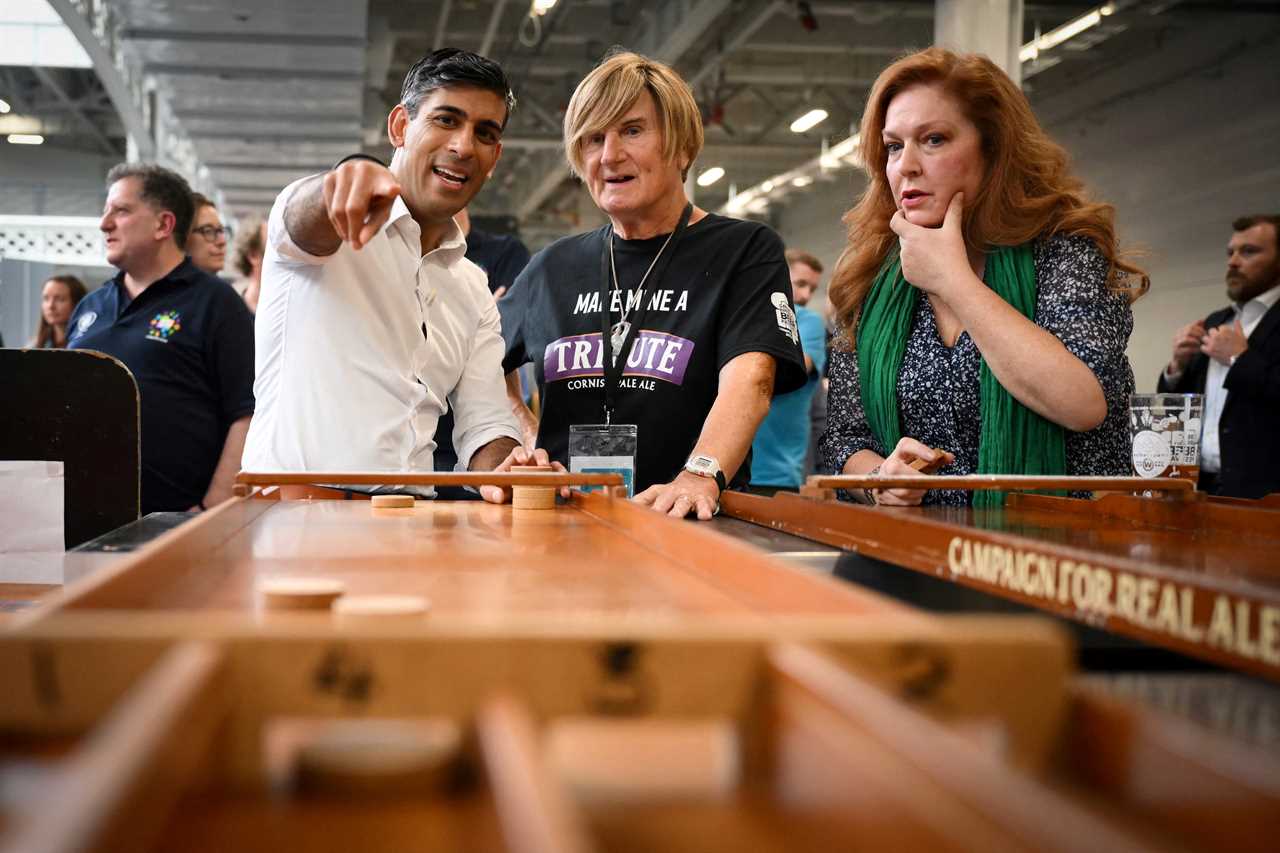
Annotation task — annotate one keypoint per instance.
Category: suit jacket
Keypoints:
(1249, 426)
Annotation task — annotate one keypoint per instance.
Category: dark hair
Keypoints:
(249, 242)
(199, 200)
(44, 332)
(797, 256)
(163, 190)
(450, 66)
(1244, 223)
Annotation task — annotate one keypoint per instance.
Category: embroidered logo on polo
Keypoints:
(786, 317)
(164, 325)
(655, 355)
(86, 320)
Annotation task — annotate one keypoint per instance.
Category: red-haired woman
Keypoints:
(58, 299)
(981, 304)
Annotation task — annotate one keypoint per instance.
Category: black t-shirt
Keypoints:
(188, 340)
(501, 256)
(726, 292)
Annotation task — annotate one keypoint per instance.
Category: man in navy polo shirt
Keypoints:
(184, 334)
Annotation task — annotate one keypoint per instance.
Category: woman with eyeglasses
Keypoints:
(207, 239)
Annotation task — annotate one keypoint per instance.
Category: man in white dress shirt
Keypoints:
(370, 320)
(1233, 358)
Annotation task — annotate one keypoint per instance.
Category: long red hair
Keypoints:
(1027, 192)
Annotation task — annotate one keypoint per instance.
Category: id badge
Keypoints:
(603, 449)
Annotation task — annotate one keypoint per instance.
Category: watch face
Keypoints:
(704, 465)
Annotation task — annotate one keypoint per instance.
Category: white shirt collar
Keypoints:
(453, 246)
(1269, 298)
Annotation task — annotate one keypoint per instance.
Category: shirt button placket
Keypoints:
(425, 294)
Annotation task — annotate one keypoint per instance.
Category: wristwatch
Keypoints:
(866, 496)
(706, 466)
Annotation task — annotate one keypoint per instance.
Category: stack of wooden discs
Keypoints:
(533, 497)
(379, 757)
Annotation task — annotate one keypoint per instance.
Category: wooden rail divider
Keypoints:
(1003, 482)
(117, 787)
(1228, 620)
(428, 478)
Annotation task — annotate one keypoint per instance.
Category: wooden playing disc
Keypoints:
(644, 759)
(533, 497)
(380, 606)
(296, 593)
(392, 501)
(378, 756)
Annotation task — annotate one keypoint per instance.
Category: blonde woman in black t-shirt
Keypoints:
(669, 318)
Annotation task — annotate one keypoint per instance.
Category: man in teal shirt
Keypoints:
(778, 452)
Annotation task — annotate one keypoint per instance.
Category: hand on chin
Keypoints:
(924, 217)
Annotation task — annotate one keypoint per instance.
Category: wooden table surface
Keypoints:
(1196, 547)
(595, 555)
(1200, 577)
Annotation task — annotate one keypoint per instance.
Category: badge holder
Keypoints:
(603, 449)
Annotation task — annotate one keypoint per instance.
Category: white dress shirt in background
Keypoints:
(346, 378)
(1215, 392)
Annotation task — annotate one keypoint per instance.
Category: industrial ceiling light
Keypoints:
(802, 181)
(25, 139)
(710, 176)
(541, 7)
(4, 106)
(1069, 30)
(809, 120)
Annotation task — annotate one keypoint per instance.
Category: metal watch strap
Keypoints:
(868, 497)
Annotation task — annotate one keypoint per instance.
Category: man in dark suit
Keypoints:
(1233, 358)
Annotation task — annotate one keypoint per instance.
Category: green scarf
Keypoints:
(1014, 439)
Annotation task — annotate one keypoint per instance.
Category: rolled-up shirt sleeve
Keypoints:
(479, 400)
(280, 246)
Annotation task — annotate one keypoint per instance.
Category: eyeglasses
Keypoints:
(212, 233)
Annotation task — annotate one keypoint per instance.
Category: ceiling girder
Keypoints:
(668, 28)
(737, 38)
(47, 78)
(665, 31)
(238, 37)
(110, 73)
(491, 31)
(442, 25)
